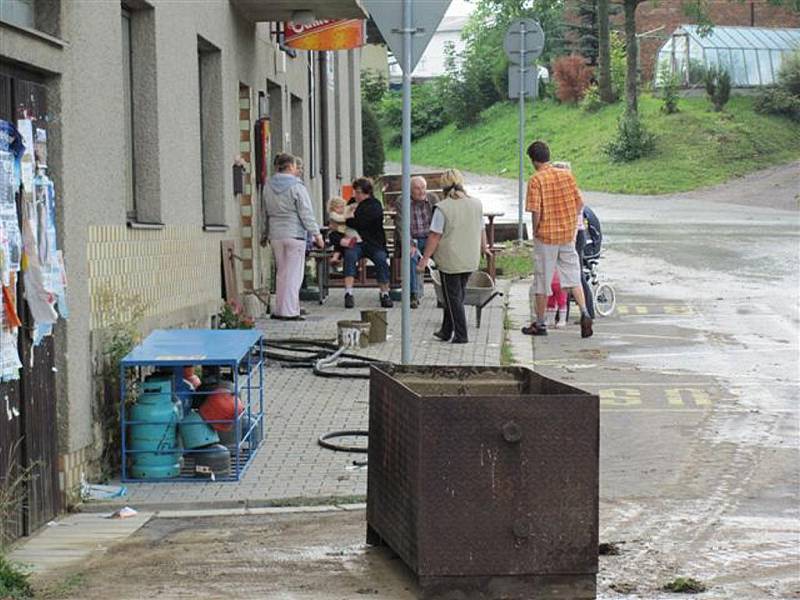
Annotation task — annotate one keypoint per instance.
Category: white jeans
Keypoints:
(290, 260)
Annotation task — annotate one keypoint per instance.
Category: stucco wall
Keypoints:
(175, 269)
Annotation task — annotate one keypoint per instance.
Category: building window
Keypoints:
(209, 62)
(140, 113)
(275, 96)
(43, 15)
(127, 87)
(297, 126)
(18, 12)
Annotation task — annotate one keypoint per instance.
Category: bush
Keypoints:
(469, 86)
(697, 71)
(718, 86)
(14, 583)
(775, 100)
(373, 86)
(371, 143)
(789, 74)
(633, 141)
(669, 89)
(572, 76)
(591, 100)
(427, 111)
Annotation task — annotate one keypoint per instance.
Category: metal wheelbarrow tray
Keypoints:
(484, 480)
(480, 291)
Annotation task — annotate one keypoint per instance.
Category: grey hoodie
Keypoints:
(287, 206)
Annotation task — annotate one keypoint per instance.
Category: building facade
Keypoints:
(150, 103)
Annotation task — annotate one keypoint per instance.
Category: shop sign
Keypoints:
(336, 34)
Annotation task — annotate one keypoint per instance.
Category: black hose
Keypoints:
(307, 352)
(322, 440)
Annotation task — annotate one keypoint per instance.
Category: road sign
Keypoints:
(425, 18)
(524, 39)
(528, 81)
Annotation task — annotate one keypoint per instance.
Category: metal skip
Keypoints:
(523, 44)
(407, 27)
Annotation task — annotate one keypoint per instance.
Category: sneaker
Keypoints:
(349, 301)
(386, 301)
(414, 301)
(586, 326)
(535, 329)
(439, 335)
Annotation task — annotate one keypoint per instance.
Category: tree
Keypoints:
(604, 53)
(371, 142)
(587, 30)
(632, 51)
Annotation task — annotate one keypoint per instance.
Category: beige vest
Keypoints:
(459, 250)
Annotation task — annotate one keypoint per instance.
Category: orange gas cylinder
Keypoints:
(219, 406)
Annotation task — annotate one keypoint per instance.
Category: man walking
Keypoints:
(555, 203)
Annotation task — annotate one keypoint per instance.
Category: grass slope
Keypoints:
(695, 147)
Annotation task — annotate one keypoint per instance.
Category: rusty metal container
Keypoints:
(484, 480)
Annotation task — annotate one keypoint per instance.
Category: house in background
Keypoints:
(433, 60)
(145, 105)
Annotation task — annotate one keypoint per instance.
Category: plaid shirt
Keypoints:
(421, 214)
(553, 194)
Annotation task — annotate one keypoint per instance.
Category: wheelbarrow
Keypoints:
(480, 291)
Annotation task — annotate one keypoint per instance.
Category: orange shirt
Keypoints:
(553, 194)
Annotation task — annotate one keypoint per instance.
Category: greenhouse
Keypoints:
(752, 55)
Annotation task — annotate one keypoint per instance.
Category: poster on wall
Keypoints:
(28, 159)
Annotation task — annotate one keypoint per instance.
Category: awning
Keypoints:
(281, 10)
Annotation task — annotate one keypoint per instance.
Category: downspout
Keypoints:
(323, 126)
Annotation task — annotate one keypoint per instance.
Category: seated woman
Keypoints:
(367, 220)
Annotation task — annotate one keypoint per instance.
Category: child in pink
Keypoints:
(557, 302)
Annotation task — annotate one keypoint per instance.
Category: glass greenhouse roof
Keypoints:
(752, 55)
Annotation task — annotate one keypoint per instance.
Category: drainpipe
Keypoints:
(323, 126)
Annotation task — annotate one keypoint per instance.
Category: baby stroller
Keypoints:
(603, 294)
(605, 298)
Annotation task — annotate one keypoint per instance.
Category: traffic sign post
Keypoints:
(523, 44)
(407, 27)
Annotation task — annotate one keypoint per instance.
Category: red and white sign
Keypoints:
(336, 34)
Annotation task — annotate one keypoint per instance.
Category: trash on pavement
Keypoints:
(123, 513)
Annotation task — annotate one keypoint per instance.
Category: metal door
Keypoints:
(28, 423)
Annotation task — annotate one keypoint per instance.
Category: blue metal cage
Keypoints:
(149, 444)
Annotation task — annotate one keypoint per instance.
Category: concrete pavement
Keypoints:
(300, 407)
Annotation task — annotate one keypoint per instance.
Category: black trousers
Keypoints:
(580, 243)
(454, 319)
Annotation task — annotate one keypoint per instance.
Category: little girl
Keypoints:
(340, 236)
(557, 303)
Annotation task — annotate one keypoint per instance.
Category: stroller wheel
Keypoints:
(605, 299)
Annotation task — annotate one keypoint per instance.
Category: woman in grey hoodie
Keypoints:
(289, 217)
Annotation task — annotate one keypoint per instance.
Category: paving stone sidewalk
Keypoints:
(300, 407)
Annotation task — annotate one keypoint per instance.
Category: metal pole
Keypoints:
(522, 74)
(405, 202)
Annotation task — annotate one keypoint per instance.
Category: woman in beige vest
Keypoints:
(455, 242)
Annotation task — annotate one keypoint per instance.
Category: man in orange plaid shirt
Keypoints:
(555, 205)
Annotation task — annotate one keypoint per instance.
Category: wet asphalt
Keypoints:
(697, 372)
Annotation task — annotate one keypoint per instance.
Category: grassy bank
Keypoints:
(695, 147)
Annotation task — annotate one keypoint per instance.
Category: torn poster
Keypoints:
(28, 160)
